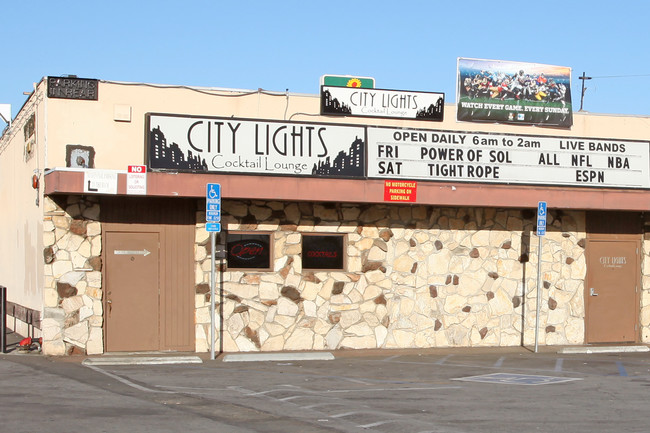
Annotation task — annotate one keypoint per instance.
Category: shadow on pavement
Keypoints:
(12, 340)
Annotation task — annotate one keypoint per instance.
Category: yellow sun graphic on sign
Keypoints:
(354, 82)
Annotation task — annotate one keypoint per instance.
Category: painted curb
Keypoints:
(142, 360)
(260, 357)
(605, 349)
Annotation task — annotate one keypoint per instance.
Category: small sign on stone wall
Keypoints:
(248, 251)
(322, 251)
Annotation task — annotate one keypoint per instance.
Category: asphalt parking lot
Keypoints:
(463, 390)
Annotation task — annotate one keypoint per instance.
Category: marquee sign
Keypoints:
(231, 145)
(347, 101)
(507, 159)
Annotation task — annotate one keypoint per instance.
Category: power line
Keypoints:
(584, 78)
(622, 76)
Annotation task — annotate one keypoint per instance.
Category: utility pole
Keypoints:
(583, 77)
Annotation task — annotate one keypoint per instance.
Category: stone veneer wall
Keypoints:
(645, 289)
(416, 277)
(73, 310)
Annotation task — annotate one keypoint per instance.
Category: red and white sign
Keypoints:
(136, 180)
(400, 191)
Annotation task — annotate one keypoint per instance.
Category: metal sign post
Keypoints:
(213, 226)
(541, 231)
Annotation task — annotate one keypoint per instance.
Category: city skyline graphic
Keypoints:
(169, 156)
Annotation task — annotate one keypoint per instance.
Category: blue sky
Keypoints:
(405, 45)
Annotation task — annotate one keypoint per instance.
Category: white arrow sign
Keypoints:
(144, 252)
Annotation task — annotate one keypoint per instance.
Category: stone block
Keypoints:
(309, 307)
(300, 339)
(286, 307)
(61, 267)
(53, 348)
(96, 246)
(273, 344)
(48, 239)
(85, 312)
(245, 345)
(93, 228)
(94, 279)
(92, 212)
(61, 221)
(95, 343)
(360, 330)
(77, 334)
(244, 291)
(51, 329)
(50, 298)
(72, 278)
(72, 304)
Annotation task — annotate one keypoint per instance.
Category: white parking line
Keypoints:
(435, 388)
(375, 424)
(344, 414)
(128, 382)
(443, 360)
(311, 406)
(390, 358)
(290, 398)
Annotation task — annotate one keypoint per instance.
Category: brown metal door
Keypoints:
(611, 293)
(132, 291)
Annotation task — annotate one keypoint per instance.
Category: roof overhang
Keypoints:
(167, 184)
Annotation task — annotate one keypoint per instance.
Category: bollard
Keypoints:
(3, 319)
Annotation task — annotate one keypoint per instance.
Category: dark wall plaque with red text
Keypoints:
(322, 251)
(248, 251)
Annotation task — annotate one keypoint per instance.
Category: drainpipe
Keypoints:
(3, 319)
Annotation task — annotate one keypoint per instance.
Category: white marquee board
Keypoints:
(507, 159)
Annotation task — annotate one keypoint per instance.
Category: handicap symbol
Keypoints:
(213, 193)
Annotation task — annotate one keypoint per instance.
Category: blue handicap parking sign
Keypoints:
(213, 204)
(213, 227)
(213, 191)
(542, 212)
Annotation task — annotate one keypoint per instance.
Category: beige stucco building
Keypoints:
(97, 259)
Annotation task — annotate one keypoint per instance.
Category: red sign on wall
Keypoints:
(136, 180)
(137, 169)
(400, 190)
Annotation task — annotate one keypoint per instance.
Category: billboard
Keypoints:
(498, 91)
(452, 156)
(245, 146)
